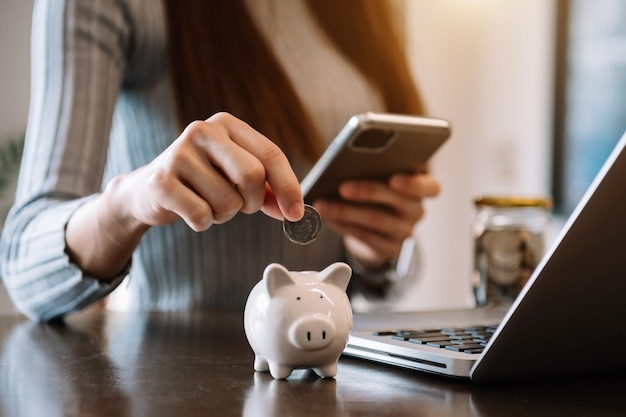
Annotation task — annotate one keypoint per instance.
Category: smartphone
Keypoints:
(374, 146)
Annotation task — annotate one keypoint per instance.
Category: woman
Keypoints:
(191, 217)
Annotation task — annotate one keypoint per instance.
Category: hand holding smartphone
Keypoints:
(374, 146)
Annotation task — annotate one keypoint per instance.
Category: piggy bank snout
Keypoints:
(312, 332)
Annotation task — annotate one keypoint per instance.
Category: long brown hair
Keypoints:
(221, 63)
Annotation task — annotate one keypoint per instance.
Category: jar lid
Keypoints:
(514, 201)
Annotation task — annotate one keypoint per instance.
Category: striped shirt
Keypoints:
(102, 105)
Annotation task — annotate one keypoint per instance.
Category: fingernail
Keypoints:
(398, 182)
(347, 189)
(296, 212)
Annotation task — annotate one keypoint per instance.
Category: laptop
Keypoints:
(569, 319)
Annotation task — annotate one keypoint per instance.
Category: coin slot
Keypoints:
(373, 140)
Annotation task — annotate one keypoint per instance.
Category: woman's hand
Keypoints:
(377, 217)
(213, 170)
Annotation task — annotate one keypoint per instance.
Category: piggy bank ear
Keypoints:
(337, 274)
(275, 277)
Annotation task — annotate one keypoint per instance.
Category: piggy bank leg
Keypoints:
(327, 371)
(279, 371)
(260, 364)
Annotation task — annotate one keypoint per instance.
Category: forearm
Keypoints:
(101, 235)
(34, 264)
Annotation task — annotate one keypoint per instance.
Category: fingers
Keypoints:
(373, 248)
(235, 168)
(231, 170)
(174, 200)
(278, 172)
(375, 217)
(415, 186)
(373, 234)
(207, 183)
(270, 206)
(213, 170)
(379, 194)
(367, 219)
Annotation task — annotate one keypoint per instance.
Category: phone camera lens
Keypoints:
(373, 139)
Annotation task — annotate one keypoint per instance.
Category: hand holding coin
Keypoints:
(305, 230)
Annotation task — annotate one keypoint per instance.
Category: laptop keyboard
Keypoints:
(462, 339)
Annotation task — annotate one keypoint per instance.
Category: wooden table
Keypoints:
(200, 364)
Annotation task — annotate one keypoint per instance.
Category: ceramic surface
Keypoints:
(299, 319)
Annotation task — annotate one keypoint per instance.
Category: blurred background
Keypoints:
(534, 90)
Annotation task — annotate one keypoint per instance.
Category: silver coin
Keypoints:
(305, 230)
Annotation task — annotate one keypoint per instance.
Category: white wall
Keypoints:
(485, 65)
(15, 18)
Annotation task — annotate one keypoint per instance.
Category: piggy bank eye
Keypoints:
(297, 298)
(321, 296)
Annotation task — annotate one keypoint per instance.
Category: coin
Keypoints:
(305, 230)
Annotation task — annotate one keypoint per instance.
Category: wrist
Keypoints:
(390, 279)
(102, 234)
(115, 218)
(374, 280)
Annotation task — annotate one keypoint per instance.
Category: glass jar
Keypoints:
(509, 242)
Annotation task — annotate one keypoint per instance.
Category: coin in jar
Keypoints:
(305, 230)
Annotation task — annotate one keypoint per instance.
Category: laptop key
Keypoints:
(461, 337)
(462, 348)
(425, 340)
(468, 340)
(441, 344)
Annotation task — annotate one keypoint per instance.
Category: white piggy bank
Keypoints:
(299, 319)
